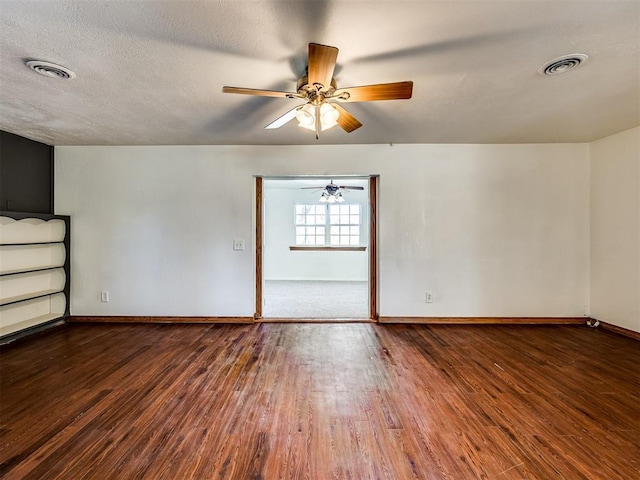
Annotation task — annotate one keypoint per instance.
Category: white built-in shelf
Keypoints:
(33, 259)
(28, 258)
(31, 230)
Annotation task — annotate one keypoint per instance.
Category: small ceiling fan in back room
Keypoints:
(322, 109)
(331, 193)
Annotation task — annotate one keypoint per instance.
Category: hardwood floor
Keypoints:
(316, 401)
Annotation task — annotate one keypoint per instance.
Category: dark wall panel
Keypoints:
(26, 175)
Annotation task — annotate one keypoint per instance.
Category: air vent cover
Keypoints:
(562, 64)
(49, 69)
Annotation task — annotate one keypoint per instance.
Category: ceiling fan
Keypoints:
(322, 109)
(331, 193)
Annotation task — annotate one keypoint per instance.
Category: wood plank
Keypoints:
(284, 400)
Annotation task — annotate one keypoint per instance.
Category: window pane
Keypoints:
(354, 209)
(320, 231)
(354, 219)
(319, 240)
(299, 239)
(335, 240)
(344, 209)
(299, 209)
(334, 209)
(335, 219)
(320, 219)
(299, 230)
(344, 231)
(354, 231)
(335, 230)
(311, 230)
(310, 240)
(344, 219)
(344, 240)
(299, 219)
(354, 241)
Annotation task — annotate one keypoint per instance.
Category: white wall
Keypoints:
(280, 263)
(492, 230)
(615, 229)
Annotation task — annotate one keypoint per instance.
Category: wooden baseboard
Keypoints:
(486, 320)
(148, 319)
(619, 330)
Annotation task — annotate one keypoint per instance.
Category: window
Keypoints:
(332, 225)
(344, 224)
(311, 224)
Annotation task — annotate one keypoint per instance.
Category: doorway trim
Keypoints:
(373, 246)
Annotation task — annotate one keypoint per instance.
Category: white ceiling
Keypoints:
(151, 72)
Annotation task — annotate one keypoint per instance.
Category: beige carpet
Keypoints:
(315, 299)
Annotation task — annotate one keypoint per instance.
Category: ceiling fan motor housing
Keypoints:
(316, 93)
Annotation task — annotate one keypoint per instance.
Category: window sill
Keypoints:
(314, 248)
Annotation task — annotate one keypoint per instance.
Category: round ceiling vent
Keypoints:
(562, 64)
(49, 69)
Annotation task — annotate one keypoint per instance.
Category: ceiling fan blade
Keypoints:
(346, 187)
(348, 122)
(322, 62)
(280, 121)
(380, 91)
(312, 188)
(261, 93)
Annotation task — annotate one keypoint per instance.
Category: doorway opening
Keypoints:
(316, 248)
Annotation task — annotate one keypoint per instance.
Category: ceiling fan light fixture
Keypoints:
(331, 197)
(306, 116)
(328, 116)
(320, 90)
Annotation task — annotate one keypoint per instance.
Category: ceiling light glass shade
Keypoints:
(323, 198)
(306, 116)
(331, 199)
(339, 198)
(328, 116)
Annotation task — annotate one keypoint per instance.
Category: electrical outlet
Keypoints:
(104, 296)
(429, 297)
(238, 244)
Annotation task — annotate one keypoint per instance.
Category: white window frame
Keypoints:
(343, 226)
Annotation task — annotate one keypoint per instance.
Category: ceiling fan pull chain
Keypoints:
(317, 122)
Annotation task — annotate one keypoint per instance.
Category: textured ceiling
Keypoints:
(151, 72)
